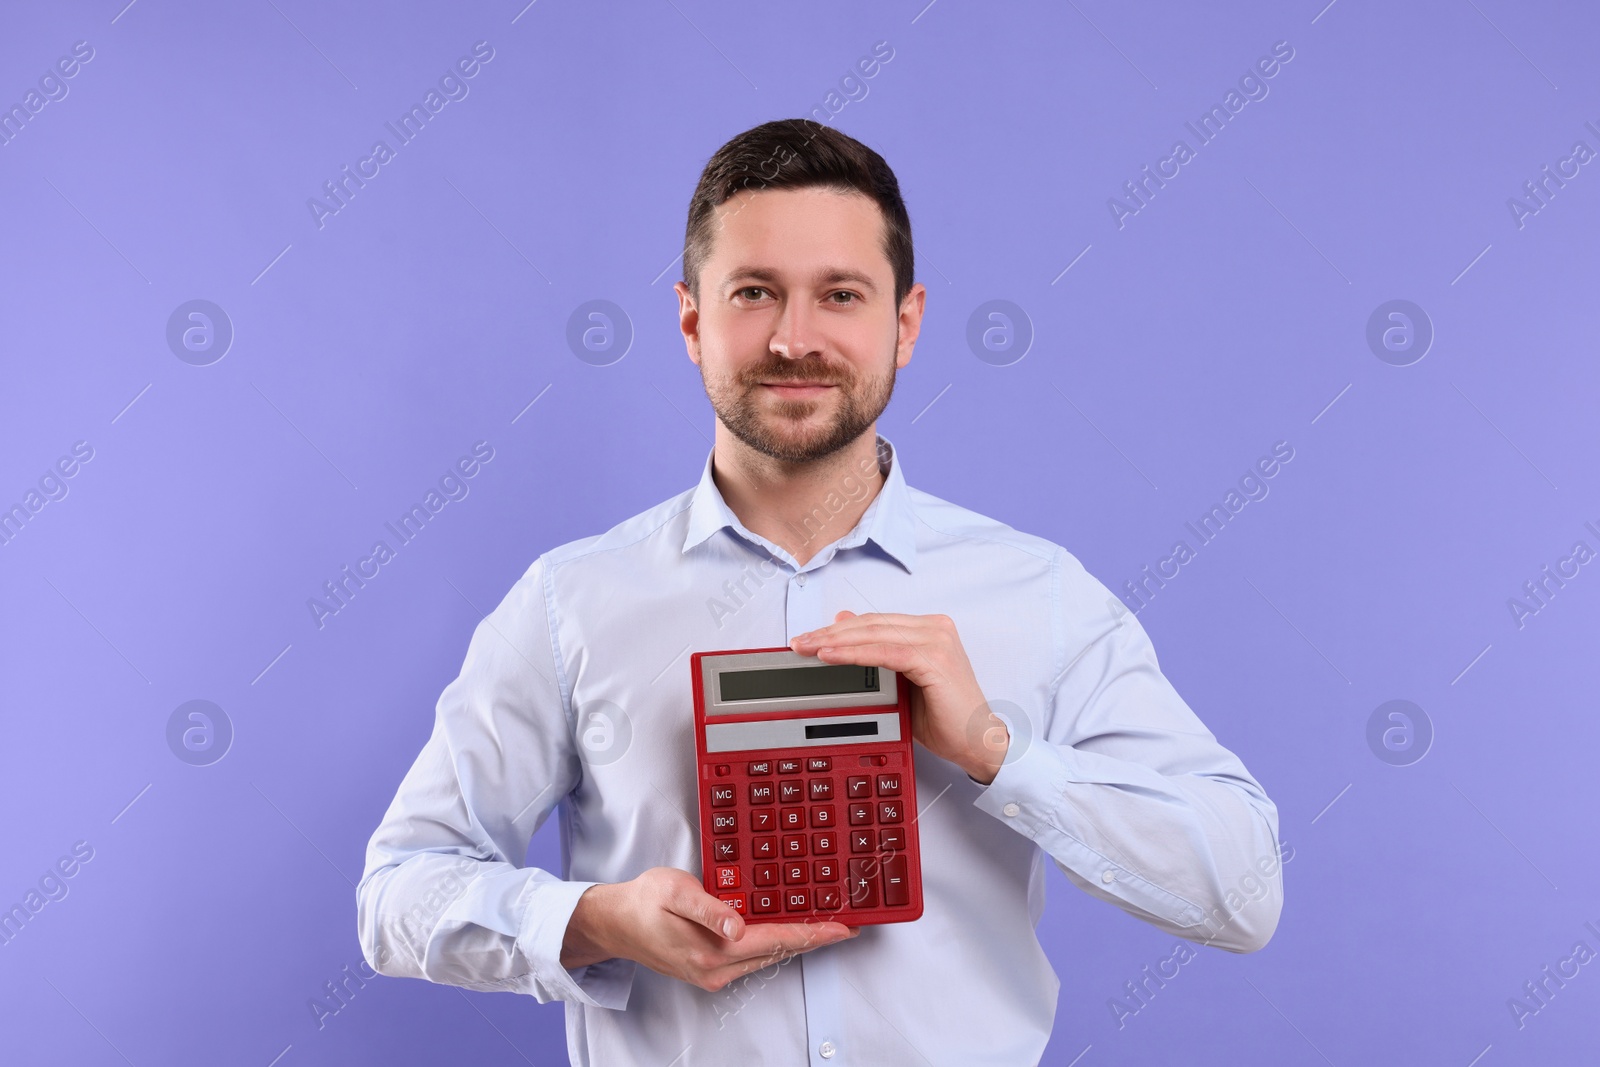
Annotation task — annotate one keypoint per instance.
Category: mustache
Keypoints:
(811, 372)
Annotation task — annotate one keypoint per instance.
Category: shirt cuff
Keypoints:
(1028, 794)
(544, 929)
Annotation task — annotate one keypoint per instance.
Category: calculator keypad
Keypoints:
(818, 835)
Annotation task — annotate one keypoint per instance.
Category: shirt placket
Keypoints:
(806, 608)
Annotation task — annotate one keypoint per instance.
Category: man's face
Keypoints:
(796, 334)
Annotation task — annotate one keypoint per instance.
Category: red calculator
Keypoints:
(808, 797)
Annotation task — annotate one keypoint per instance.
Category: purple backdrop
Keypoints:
(221, 380)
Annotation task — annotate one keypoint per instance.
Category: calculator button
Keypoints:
(863, 883)
(860, 814)
(888, 785)
(821, 788)
(792, 818)
(825, 870)
(824, 815)
(860, 840)
(766, 874)
(828, 898)
(788, 766)
(727, 878)
(795, 872)
(722, 796)
(724, 822)
(764, 848)
(725, 850)
(797, 899)
(892, 840)
(896, 886)
(765, 901)
(858, 788)
(722, 770)
(889, 811)
(824, 844)
(761, 792)
(794, 846)
(761, 767)
(734, 901)
(792, 792)
(763, 820)
(819, 763)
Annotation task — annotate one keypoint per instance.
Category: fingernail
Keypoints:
(727, 929)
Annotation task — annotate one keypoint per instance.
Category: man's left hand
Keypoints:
(949, 714)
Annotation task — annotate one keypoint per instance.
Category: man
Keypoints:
(1043, 722)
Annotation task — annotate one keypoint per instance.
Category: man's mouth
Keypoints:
(798, 389)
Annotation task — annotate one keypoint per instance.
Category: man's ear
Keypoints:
(688, 321)
(909, 324)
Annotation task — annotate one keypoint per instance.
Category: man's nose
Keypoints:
(796, 334)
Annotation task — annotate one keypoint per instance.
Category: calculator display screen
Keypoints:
(780, 682)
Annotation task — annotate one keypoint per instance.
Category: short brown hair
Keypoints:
(796, 154)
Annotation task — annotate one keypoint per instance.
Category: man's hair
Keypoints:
(797, 154)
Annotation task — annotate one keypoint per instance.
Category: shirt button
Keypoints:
(1011, 810)
(1108, 876)
(826, 1050)
(800, 579)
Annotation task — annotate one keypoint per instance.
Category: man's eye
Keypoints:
(751, 289)
(852, 298)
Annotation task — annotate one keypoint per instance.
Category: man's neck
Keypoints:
(801, 507)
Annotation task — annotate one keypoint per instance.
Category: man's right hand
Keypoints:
(665, 920)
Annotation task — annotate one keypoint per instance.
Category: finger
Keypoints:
(695, 904)
(888, 632)
(904, 659)
(774, 941)
(908, 623)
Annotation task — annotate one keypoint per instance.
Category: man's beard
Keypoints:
(737, 405)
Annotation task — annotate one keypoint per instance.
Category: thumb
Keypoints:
(698, 906)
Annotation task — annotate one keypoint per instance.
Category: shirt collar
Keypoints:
(888, 521)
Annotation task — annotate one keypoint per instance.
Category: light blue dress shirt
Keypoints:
(574, 699)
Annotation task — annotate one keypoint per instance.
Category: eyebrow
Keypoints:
(827, 276)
